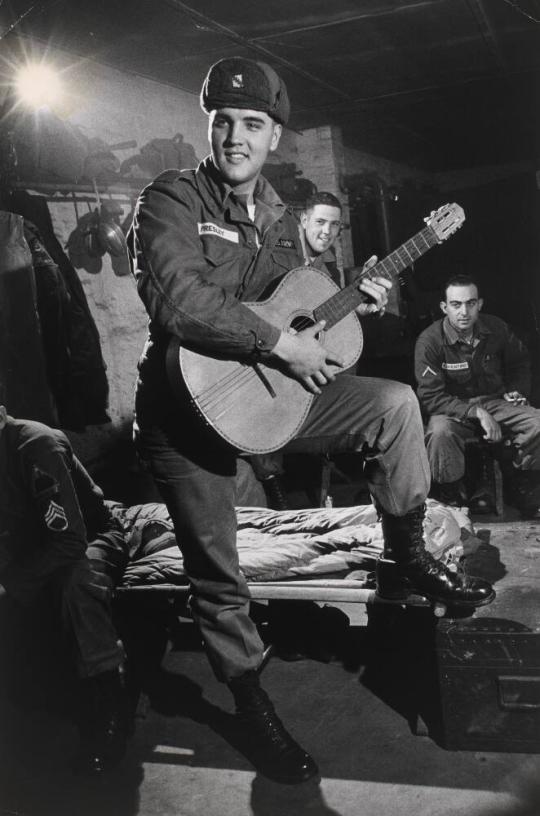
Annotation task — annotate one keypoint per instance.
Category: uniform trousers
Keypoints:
(380, 419)
(446, 438)
(72, 608)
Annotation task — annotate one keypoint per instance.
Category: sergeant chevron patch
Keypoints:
(55, 517)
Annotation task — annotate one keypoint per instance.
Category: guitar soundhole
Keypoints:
(301, 322)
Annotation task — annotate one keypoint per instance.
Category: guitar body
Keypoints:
(257, 409)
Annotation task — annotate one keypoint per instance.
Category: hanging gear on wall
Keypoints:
(110, 232)
(97, 233)
(159, 155)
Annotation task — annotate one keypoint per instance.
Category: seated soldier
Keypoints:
(320, 225)
(473, 376)
(49, 509)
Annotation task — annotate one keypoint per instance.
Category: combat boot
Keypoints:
(105, 723)
(407, 567)
(269, 745)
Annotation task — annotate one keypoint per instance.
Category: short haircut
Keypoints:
(459, 280)
(328, 199)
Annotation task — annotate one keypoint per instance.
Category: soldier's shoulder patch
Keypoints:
(43, 484)
(428, 370)
(285, 243)
(55, 517)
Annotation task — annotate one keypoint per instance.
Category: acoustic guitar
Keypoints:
(257, 408)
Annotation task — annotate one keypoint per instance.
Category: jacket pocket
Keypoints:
(218, 251)
(285, 260)
(457, 374)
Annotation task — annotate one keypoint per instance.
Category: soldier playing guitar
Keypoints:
(204, 246)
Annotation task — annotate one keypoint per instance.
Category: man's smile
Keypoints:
(235, 157)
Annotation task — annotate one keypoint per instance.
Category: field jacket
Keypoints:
(453, 375)
(49, 507)
(196, 257)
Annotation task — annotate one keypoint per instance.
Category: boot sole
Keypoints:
(288, 780)
(432, 599)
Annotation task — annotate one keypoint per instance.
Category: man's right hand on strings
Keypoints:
(305, 359)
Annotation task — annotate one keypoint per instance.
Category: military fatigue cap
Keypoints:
(237, 82)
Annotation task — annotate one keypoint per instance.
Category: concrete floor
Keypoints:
(179, 761)
(355, 714)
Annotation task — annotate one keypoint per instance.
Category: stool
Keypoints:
(488, 454)
(328, 468)
(324, 485)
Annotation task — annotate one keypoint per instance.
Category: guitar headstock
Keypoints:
(445, 221)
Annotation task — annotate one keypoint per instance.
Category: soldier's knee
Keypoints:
(399, 396)
(407, 404)
(440, 428)
(80, 584)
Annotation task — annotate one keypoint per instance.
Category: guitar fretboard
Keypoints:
(339, 305)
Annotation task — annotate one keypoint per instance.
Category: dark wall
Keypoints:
(499, 244)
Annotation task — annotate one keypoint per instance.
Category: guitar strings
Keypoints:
(237, 379)
(217, 389)
(233, 381)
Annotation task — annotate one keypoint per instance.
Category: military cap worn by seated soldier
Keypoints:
(202, 243)
(49, 509)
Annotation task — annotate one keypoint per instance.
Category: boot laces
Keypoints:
(424, 561)
(261, 716)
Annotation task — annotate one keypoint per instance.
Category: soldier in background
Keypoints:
(320, 225)
(50, 509)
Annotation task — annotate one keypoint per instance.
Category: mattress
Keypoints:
(286, 544)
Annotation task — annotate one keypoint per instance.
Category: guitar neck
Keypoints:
(339, 305)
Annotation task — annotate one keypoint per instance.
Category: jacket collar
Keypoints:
(480, 329)
(209, 178)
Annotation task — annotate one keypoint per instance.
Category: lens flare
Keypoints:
(38, 86)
